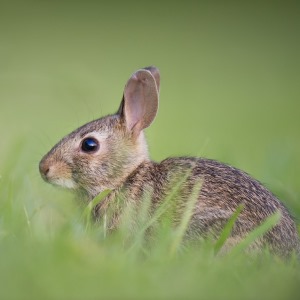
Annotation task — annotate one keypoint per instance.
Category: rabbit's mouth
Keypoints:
(62, 182)
(57, 173)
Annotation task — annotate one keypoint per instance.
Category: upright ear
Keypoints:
(140, 100)
(155, 73)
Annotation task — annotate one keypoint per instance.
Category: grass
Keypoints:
(50, 250)
(229, 91)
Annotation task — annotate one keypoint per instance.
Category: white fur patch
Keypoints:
(63, 182)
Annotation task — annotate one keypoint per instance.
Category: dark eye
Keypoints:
(89, 145)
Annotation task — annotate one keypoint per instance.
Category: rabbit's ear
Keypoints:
(140, 101)
(155, 73)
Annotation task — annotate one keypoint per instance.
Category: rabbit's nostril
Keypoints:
(44, 169)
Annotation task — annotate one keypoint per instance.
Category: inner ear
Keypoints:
(155, 73)
(140, 101)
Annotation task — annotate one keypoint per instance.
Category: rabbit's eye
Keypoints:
(89, 145)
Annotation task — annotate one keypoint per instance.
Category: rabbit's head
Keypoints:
(101, 154)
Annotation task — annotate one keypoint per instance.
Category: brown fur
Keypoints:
(122, 165)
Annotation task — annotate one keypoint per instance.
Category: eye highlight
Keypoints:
(89, 145)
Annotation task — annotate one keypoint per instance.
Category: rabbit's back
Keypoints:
(223, 189)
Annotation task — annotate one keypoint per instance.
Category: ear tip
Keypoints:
(142, 75)
(152, 69)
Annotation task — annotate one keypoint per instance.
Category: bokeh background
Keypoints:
(230, 77)
(229, 90)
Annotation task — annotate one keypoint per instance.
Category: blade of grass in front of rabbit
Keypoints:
(143, 218)
(87, 212)
(269, 223)
(188, 212)
(165, 205)
(227, 229)
(127, 224)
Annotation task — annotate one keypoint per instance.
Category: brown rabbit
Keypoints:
(111, 153)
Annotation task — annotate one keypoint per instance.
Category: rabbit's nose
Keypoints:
(44, 169)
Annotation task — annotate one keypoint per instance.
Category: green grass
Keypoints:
(229, 91)
(51, 250)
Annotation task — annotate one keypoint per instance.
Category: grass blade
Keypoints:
(166, 203)
(227, 229)
(180, 231)
(270, 222)
(87, 212)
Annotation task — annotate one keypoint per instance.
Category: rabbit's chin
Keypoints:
(64, 183)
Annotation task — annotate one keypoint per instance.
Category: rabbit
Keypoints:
(111, 154)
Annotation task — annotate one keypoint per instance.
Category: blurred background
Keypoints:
(229, 87)
(230, 73)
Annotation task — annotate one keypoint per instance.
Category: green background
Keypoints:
(229, 91)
